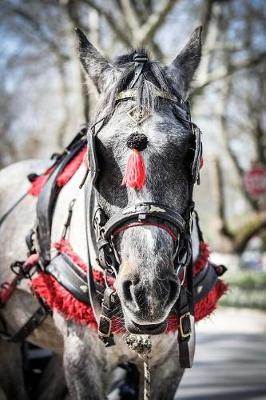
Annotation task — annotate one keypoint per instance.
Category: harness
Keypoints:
(102, 230)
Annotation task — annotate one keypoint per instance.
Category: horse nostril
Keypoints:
(126, 290)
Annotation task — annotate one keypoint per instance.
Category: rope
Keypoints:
(147, 379)
(142, 346)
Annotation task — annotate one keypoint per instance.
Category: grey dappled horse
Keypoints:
(145, 251)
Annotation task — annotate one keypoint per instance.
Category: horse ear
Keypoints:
(187, 61)
(93, 62)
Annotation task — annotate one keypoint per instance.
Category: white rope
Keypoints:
(142, 346)
(147, 379)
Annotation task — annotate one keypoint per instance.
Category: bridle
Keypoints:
(102, 230)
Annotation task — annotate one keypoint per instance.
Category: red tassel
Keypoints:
(135, 173)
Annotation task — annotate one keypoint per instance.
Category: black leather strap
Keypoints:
(143, 212)
(195, 167)
(33, 322)
(140, 60)
(46, 204)
(204, 281)
(186, 340)
(71, 277)
(95, 301)
(9, 211)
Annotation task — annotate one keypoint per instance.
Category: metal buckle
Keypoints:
(138, 114)
(103, 321)
(182, 330)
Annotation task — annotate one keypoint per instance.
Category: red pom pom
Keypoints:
(135, 173)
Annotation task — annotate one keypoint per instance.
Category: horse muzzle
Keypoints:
(146, 305)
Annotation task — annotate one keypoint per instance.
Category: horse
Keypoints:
(142, 146)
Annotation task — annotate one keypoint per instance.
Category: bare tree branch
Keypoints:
(224, 129)
(130, 15)
(154, 22)
(135, 21)
(225, 72)
(94, 26)
(206, 17)
(37, 28)
(218, 188)
(60, 60)
(75, 20)
(255, 224)
(113, 23)
(211, 21)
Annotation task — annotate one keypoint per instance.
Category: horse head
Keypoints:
(142, 110)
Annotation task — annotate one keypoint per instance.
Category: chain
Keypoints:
(142, 346)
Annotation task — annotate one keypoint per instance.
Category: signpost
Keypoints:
(255, 181)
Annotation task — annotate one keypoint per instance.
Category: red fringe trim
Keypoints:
(58, 298)
(38, 183)
(209, 303)
(204, 254)
(71, 168)
(67, 173)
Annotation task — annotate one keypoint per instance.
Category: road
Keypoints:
(230, 360)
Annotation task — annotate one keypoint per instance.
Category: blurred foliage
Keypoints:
(247, 289)
(247, 280)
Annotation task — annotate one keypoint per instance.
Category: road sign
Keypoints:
(255, 181)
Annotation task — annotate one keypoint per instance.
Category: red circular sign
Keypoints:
(255, 181)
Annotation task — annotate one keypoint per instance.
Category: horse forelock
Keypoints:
(154, 77)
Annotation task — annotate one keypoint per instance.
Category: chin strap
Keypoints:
(186, 331)
(104, 309)
(105, 319)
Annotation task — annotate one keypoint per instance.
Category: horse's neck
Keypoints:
(77, 232)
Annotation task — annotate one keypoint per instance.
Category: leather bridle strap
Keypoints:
(140, 61)
(147, 213)
(167, 228)
(95, 300)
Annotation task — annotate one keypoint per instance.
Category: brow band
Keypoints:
(132, 93)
